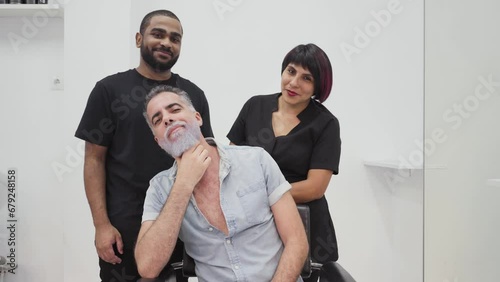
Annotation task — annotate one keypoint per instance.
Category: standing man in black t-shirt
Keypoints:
(121, 155)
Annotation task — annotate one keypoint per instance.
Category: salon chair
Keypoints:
(329, 272)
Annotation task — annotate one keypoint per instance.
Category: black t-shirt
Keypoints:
(114, 118)
(313, 144)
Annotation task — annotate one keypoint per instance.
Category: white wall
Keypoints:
(30, 115)
(461, 209)
(233, 55)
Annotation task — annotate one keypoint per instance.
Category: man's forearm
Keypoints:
(293, 235)
(291, 262)
(156, 244)
(95, 190)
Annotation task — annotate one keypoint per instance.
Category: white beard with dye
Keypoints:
(183, 140)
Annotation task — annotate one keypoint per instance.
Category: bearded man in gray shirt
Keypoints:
(230, 205)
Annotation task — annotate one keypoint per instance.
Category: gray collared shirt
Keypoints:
(251, 182)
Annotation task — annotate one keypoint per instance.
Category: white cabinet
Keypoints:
(50, 10)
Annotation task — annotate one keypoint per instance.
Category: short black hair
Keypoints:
(147, 18)
(162, 89)
(314, 59)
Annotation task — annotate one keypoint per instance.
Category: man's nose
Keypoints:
(167, 120)
(165, 42)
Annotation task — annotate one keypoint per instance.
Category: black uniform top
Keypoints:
(313, 144)
(114, 118)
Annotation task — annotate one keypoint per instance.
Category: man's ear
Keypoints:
(138, 40)
(157, 140)
(199, 119)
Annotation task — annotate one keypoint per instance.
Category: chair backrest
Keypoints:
(333, 272)
(305, 215)
(188, 264)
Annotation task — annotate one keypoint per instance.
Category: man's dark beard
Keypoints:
(157, 66)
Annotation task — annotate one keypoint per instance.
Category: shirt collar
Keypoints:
(225, 162)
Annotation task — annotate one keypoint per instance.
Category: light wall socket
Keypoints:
(57, 83)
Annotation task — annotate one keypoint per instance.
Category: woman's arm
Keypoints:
(313, 188)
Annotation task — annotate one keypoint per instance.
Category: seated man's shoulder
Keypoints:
(244, 149)
(247, 153)
(164, 175)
